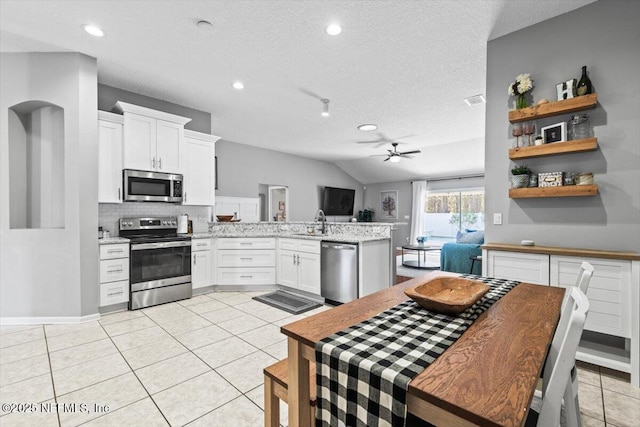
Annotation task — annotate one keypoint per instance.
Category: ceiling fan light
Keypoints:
(367, 127)
(238, 85)
(325, 108)
(333, 29)
(394, 159)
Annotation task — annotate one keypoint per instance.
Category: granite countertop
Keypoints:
(338, 237)
(112, 240)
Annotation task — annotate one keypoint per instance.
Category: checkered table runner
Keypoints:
(363, 372)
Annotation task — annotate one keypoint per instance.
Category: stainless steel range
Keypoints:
(160, 261)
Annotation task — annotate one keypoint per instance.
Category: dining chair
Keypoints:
(557, 381)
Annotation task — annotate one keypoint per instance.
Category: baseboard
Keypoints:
(62, 320)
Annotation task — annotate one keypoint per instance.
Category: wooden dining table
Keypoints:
(487, 377)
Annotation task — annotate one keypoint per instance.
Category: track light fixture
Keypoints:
(325, 107)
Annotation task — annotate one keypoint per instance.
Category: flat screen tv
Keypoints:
(338, 201)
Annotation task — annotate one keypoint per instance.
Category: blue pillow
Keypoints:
(476, 237)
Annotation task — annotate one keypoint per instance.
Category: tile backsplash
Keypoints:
(110, 213)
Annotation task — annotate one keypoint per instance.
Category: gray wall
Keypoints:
(53, 273)
(108, 96)
(605, 36)
(241, 168)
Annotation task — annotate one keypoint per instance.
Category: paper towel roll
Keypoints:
(182, 224)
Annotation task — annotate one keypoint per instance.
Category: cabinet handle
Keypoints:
(114, 271)
(246, 243)
(201, 245)
(185, 197)
(111, 294)
(160, 163)
(114, 251)
(298, 259)
(246, 259)
(195, 262)
(246, 277)
(294, 259)
(153, 163)
(119, 194)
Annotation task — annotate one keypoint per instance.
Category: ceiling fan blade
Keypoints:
(387, 159)
(410, 152)
(310, 93)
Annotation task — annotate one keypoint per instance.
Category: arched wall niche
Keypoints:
(36, 165)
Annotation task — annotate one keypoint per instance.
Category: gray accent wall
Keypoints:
(604, 36)
(108, 96)
(242, 168)
(52, 273)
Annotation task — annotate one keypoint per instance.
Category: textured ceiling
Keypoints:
(404, 65)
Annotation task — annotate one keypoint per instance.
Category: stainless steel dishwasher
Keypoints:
(339, 271)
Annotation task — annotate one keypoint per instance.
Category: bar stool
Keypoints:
(473, 261)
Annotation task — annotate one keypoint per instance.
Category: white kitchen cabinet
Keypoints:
(199, 169)
(152, 139)
(299, 264)
(245, 208)
(611, 335)
(109, 157)
(246, 261)
(202, 263)
(114, 274)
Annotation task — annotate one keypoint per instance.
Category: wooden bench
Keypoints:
(276, 386)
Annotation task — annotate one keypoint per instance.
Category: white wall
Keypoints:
(241, 168)
(53, 273)
(604, 36)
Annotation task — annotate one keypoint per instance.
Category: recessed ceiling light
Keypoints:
(367, 127)
(93, 30)
(238, 85)
(333, 29)
(475, 100)
(204, 25)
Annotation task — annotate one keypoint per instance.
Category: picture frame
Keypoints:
(554, 133)
(389, 204)
(281, 206)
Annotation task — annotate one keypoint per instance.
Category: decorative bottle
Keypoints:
(584, 84)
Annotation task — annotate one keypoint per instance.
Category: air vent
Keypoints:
(475, 100)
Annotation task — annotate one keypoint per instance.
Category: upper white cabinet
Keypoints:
(199, 168)
(109, 157)
(152, 139)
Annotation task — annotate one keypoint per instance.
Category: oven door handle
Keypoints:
(160, 245)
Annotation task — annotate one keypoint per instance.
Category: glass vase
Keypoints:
(521, 102)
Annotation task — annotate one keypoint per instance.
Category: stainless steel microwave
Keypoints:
(144, 186)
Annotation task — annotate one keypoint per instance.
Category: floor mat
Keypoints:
(290, 303)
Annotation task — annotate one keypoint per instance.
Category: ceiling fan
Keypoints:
(395, 155)
(384, 140)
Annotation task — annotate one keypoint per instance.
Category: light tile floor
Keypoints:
(196, 362)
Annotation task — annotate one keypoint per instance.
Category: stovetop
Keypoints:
(151, 229)
(157, 238)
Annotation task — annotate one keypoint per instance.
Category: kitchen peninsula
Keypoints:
(259, 255)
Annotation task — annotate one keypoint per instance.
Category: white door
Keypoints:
(287, 269)
(309, 272)
(199, 185)
(168, 137)
(109, 162)
(200, 269)
(139, 142)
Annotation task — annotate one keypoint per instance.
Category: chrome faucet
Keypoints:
(320, 216)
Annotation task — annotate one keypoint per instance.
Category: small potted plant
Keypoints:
(520, 176)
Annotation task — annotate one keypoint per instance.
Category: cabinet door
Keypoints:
(199, 174)
(200, 269)
(287, 269)
(139, 142)
(530, 268)
(168, 138)
(309, 272)
(109, 162)
(609, 292)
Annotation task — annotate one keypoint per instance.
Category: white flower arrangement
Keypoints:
(523, 84)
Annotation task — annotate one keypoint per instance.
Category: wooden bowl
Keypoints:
(224, 218)
(447, 295)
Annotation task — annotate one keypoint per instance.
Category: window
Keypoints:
(447, 212)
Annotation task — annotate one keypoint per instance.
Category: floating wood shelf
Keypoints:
(562, 191)
(575, 146)
(540, 111)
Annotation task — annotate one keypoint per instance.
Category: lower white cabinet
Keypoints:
(299, 264)
(246, 261)
(612, 330)
(114, 274)
(201, 263)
